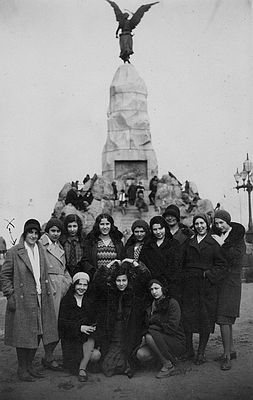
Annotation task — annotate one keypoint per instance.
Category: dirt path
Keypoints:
(206, 382)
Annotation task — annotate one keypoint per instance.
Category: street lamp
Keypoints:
(247, 178)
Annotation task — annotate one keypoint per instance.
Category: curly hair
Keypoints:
(74, 218)
(114, 232)
(119, 269)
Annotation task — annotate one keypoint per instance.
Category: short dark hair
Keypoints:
(74, 218)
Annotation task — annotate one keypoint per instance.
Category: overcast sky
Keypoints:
(58, 59)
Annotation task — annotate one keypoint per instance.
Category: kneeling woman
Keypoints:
(77, 327)
(121, 318)
(165, 337)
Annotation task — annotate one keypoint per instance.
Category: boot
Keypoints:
(22, 372)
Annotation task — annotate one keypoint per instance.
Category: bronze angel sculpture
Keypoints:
(126, 26)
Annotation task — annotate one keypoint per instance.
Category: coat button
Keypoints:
(46, 281)
(21, 284)
(48, 293)
(21, 296)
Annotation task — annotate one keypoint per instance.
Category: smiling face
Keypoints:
(104, 226)
(156, 291)
(171, 220)
(158, 231)
(32, 237)
(200, 226)
(121, 282)
(81, 287)
(139, 234)
(54, 233)
(72, 228)
(221, 225)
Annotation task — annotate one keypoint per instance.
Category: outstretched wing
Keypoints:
(117, 10)
(139, 14)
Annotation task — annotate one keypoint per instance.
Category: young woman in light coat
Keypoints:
(30, 313)
(59, 278)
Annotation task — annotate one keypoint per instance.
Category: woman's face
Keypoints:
(158, 231)
(156, 290)
(139, 234)
(81, 287)
(54, 233)
(32, 237)
(72, 228)
(221, 225)
(121, 282)
(200, 226)
(104, 226)
(171, 220)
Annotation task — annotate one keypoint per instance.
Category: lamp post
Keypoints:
(247, 177)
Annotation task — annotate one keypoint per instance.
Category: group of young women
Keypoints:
(117, 306)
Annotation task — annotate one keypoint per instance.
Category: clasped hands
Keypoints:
(119, 262)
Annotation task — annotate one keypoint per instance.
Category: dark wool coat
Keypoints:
(88, 262)
(229, 295)
(71, 317)
(21, 318)
(204, 268)
(133, 311)
(133, 319)
(164, 262)
(166, 328)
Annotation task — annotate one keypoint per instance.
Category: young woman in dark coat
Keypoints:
(73, 242)
(120, 318)
(204, 268)
(164, 336)
(162, 256)
(102, 245)
(77, 327)
(230, 235)
(133, 247)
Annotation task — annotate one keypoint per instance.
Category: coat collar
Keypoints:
(56, 251)
(237, 233)
(207, 240)
(22, 253)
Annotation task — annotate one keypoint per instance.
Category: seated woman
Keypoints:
(164, 337)
(121, 318)
(77, 326)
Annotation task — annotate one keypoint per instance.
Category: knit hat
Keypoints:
(158, 219)
(224, 215)
(140, 223)
(155, 281)
(31, 224)
(54, 222)
(173, 210)
(202, 216)
(81, 275)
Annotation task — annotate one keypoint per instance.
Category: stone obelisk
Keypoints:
(128, 151)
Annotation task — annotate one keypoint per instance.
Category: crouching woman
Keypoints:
(121, 318)
(164, 338)
(77, 327)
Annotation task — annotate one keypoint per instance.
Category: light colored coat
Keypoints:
(19, 286)
(59, 278)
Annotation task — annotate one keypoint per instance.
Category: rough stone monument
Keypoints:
(128, 150)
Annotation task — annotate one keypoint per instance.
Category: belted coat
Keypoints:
(18, 285)
(59, 278)
(229, 295)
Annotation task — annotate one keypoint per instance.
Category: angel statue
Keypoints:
(127, 25)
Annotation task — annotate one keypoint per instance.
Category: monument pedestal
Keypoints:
(128, 151)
